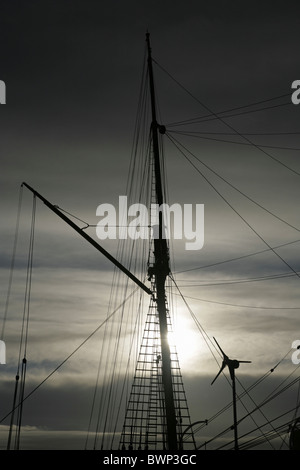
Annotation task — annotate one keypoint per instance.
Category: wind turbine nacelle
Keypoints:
(235, 364)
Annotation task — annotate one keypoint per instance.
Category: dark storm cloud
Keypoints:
(73, 73)
(68, 54)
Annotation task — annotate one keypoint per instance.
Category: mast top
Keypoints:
(148, 45)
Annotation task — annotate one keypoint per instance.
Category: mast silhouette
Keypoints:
(160, 270)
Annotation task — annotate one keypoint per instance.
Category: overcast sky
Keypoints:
(72, 71)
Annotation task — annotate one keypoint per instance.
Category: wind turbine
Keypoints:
(232, 365)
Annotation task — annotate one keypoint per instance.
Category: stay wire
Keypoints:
(278, 391)
(216, 116)
(221, 119)
(240, 305)
(256, 441)
(297, 402)
(226, 141)
(205, 334)
(25, 320)
(13, 260)
(72, 353)
(137, 171)
(211, 115)
(271, 397)
(177, 144)
(237, 258)
(220, 282)
(246, 391)
(30, 268)
(234, 210)
(257, 134)
(12, 268)
(24, 333)
(280, 430)
(264, 402)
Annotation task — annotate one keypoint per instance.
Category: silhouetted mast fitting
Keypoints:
(96, 245)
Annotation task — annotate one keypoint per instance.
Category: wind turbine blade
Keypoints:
(223, 367)
(248, 362)
(220, 347)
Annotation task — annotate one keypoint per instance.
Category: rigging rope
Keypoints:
(230, 205)
(274, 395)
(132, 252)
(70, 355)
(220, 282)
(221, 119)
(23, 341)
(246, 391)
(215, 115)
(237, 258)
(13, 259)
(226, 141)
(178, 144)
(241, 306)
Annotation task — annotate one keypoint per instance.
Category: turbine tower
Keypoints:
(232, 364)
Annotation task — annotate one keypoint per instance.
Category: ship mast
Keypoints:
(160, 270)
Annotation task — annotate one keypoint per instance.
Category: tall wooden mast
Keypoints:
(160, 271)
